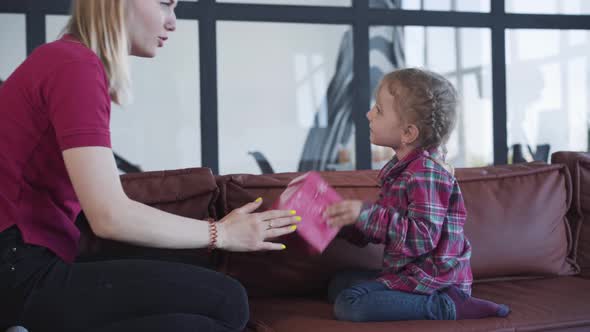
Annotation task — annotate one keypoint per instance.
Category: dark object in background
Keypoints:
(125, 166)
(540, 154)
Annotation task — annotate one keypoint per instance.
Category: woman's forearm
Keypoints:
(140, 224)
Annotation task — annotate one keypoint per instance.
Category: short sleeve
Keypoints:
(79, 105)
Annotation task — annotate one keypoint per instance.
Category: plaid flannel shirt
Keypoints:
(419, 216)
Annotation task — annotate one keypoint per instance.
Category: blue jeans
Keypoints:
(358, 297)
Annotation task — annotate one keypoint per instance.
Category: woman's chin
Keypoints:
(144, 53)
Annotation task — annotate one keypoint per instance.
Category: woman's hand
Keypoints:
(343, 213)
(243, 230)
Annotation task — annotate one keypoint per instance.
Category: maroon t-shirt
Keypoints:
(56, 100)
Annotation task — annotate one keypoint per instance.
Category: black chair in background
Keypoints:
(541, 153)
(262, 162)
(125, 166)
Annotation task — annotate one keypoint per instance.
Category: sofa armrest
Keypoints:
(578, 164)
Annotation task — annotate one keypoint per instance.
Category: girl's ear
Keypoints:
(410, 134)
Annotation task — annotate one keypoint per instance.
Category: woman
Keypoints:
(56, 159)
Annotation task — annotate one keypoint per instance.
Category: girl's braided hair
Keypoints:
(427, 100)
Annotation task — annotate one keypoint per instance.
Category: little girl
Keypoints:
(419, 215)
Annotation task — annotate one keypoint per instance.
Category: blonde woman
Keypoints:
(56, 159)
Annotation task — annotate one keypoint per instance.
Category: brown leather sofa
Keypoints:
(525, 222)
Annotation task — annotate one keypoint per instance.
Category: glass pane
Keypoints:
(332, 3)
(463, 56)
(438, 5)
(13, 33)
(54, 26)
(548, 6)
(160, 128)
(274, 96)
(547, 91)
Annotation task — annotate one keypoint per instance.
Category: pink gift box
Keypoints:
(310, 195)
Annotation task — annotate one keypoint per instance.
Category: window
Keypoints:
(463, 56)
(14, 50)
(160, 128)
(274, 96)
(547, 84)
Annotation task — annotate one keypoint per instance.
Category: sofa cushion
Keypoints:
(186, 192)
(559, 304)
(516, 219)
(515, 223)
(579, 213)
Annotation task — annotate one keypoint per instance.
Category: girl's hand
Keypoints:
(343, 213)
(243, 230)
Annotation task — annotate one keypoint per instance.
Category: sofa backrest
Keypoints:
(289, 271)
(579, 213)
(516, 224)
(516, 220)
(186, 192)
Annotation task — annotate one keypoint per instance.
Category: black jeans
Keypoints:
(42, 293)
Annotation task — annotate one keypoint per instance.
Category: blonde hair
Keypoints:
(427, 100)
(100, 25)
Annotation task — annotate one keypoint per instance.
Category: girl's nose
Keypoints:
(170, 24)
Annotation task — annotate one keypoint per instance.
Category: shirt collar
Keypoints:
(396, 166)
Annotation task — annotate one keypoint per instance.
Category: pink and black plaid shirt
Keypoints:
(419, 216)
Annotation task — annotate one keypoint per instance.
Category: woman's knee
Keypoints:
(221, 297)
(236, 312)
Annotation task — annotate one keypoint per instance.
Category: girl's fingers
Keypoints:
(339, 221)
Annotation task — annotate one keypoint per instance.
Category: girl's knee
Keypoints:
(346, 307)
(346, 311)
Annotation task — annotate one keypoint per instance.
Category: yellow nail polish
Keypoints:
(298, 218)
(283, 246)
(294, 227)
(258, 200)
(293, 212)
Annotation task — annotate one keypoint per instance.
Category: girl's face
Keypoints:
(148, 25)
(385, 123)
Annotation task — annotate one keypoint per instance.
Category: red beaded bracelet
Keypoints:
(212, 236)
